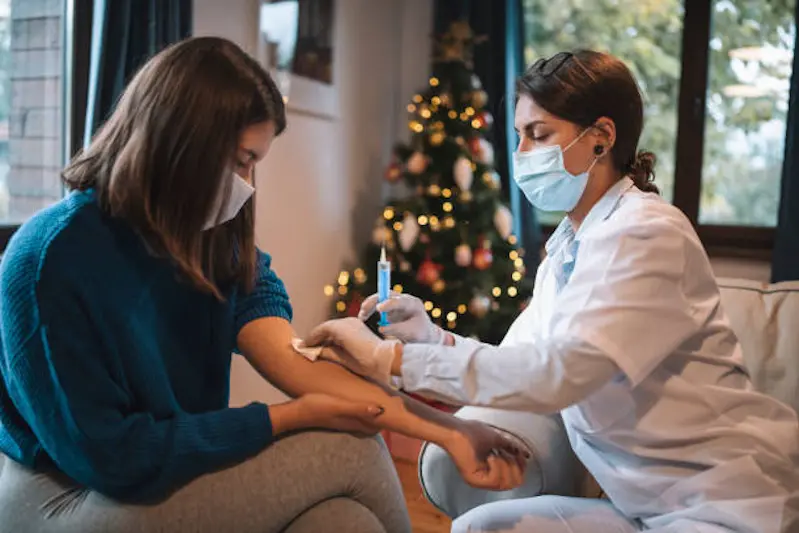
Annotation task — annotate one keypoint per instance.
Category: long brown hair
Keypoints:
(165, 155)
(584, 86)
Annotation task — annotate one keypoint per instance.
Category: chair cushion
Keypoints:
(765, 318)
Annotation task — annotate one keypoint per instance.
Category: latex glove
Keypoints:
(360, 350)
(409, 322)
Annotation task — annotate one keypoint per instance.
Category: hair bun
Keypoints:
(642, 171)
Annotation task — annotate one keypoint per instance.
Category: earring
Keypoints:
(599, 150)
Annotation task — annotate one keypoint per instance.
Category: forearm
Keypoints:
(542, 377)
(266, 343)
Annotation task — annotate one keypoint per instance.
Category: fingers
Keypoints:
(514, 471)
(368, 307)
(321, 334)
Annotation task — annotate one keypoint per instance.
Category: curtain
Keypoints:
(497, 63)
(125, 33)
(785, 258)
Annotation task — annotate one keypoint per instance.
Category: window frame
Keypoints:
(719, 240)
(76, 45)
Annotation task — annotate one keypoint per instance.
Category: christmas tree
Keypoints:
(449, 237)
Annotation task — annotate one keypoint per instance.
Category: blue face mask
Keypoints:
(544, 180)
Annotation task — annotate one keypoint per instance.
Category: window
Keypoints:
(32, 80)
(715, 77)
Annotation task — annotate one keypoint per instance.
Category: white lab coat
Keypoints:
(625, 336)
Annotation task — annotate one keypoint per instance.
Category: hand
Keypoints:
(321, 411)
(360, 350)
(409, 322)
(486, 458)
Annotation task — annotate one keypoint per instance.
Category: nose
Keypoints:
(525, 144)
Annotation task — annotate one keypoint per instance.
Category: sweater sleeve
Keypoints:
(268, 299)
(67, 382)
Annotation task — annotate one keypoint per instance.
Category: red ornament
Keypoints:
(475, 148)
(429, 272)
(354, 307)
(393, 172)
(483, 258)
(484, 119)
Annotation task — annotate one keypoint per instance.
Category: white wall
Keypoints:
(321, 186)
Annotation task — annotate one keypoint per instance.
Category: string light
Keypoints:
(434, 82)
(342, 290)
(437, 138)
(411, 108)
(497, 292)
(452, 114)
(476, 124)
(436, 313)
(397, 226)
(519, 263)
(343, 278)
(517, 276)
(474, 166)
(435, 100)
(464, 117)
(469, 111)
(451, 325)
(329, 290)
(416, 126)
(447, 207)
(360, 276)
(512, 292)
(422, 220)
(446, 193)
(462, 308)
(428, 306)
(512, 239)
(434, 190)
(433, 219)
(418, 98)
(341, 307)
(449, 222)
(388, 213)
(398, 288)
(514, 255)
(452, 316)
(425, 113)
(438, 125)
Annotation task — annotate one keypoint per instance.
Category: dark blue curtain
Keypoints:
(785, 261)
(497, 63)
(125, 33)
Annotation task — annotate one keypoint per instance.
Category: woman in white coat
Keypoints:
(625, 336)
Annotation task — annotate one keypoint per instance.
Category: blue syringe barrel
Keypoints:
(383, 286)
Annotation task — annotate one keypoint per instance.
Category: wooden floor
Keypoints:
(424, 517)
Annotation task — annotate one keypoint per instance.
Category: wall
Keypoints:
(321, 186)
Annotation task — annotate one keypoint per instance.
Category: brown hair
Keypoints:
(584, 86)
(164, 156)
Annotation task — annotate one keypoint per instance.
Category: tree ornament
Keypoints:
(404, 265)
(479, 305)
(503, 221)
(483, 258)
(476, 83)
(428, 272)
(479, 98)
(463, 255)
(486, 152)
(354, 307)
(393, 172)
(463, 173)
(409, 232)
(417, 163)
(484, 119)
(492, 181)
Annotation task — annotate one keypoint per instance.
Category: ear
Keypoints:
(605, 132)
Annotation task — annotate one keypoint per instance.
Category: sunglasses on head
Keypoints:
(548, 66)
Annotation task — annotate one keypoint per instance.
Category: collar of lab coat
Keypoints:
(565, 233)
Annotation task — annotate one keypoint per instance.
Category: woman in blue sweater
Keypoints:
(120, 307)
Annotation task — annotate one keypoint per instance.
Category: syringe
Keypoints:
(383, 282)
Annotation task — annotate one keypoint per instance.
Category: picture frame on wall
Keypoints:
(296, 43)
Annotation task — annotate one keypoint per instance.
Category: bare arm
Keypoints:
(266, 343)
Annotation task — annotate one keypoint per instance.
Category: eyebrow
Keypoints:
(528, 128)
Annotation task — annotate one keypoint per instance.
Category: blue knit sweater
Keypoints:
(114, 369)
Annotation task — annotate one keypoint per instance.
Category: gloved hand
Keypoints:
(352, 344)
(408, 320)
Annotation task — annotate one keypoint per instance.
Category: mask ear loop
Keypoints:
(596, 156)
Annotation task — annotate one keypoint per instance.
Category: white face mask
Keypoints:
(542, 176)
(240, 192)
